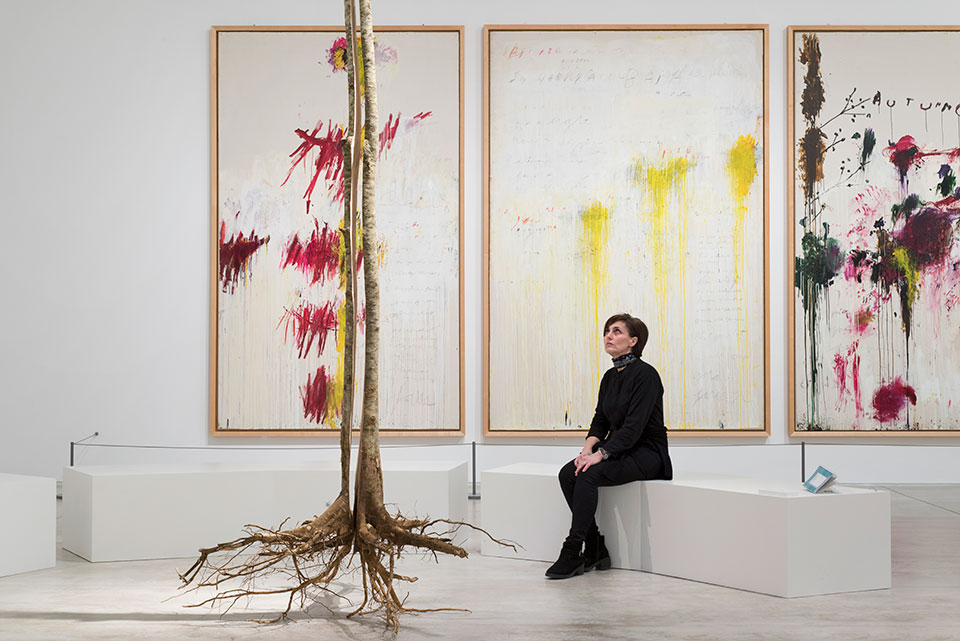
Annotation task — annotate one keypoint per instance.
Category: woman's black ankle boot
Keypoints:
(595, 555)
(570, 562)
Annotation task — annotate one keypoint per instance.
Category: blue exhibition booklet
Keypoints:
(819, 480)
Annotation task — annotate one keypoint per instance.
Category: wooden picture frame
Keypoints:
(882, 363)
(545, 329)
(276, 104)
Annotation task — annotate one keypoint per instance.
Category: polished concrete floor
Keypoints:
(510, 599)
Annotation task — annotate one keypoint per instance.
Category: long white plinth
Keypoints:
(751, 534)
(28, 534)
(523, 503)
(766, 536)
(127, 512)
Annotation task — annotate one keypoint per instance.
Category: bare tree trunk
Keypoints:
(369, 474)
(352, 151)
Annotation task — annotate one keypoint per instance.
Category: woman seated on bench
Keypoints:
(627, 442)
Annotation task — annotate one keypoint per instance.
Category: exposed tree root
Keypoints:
(310, 556)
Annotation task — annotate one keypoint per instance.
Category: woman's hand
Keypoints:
(589, 446)
(584, 461)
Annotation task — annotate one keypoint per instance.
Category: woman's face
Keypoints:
(617, 341)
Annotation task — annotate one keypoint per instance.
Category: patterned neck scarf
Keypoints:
(623, 361)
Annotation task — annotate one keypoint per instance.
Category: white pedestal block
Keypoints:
(523, 503)
(731, 531)
(620, 517)
(125, 512)
(28, 534)
(434, 489)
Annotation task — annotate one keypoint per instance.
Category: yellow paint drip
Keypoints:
(910, 272)
(335, 386)
(665, 180)
(381, 253)
(741, 168)
(595, 231)
(596, 227)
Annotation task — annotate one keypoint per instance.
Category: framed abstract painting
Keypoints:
(279, 110)
(874, 302)
(625, 171)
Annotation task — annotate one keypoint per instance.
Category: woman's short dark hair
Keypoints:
(635, 327)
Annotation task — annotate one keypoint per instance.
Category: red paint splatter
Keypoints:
(328, 162)
(309, 323)
(948, 203)
(856, 268)
(314, 396)
(389, 132)
(928, 236)
(862, 320)
(390, 129)
(905, 153)
(840, 370)
(855, 379)
(318, 257)
(235, 255)
(362, 319)
(889, 400)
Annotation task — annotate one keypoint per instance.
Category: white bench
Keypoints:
(28, 534)
(764, 536)
(128, 512)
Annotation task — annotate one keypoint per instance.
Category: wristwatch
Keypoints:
(603, 453)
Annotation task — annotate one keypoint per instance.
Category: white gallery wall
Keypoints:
(104, 250)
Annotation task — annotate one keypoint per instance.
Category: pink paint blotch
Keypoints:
(362, 319)
(928, 236)
(854, 272)
(855, 380)
(906, 153)
(314, 396)
(840, 370)
(862, 320)
(889, 400)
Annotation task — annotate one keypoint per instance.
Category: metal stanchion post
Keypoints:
(803, 461)
(73, 445)
(473, 452)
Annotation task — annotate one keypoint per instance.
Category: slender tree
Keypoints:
(318, 551)
(348, 269)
